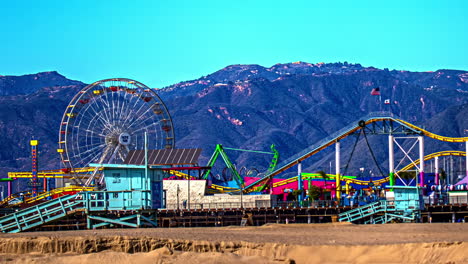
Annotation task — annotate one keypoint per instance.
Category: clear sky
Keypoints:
(161, 42)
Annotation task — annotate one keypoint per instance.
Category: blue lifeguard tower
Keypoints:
(136, 186)
(402, 203)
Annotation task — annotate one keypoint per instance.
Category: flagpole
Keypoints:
(380, 102)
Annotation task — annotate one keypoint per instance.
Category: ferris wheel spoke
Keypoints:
(87, 147)
(118, 103)
(98, 135)
(112, 107)
(142, 104)
(133, 122)
(143, 123)
(103, 155)
(122, 154)
(132, 117)
(107, 105)
(130, 109)
(99, 157)
(98, 114)
(89, 117)
(93, 128)
(123, 108)
(144, 128)
(129, 113)
(91, 149)
(132, 112)
(119, 108)
(113, 154)
(150, 131)
(93, 105)
(110, 111)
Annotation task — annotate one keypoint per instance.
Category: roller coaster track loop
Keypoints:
(433, 155)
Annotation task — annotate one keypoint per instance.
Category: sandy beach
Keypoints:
(294, 243)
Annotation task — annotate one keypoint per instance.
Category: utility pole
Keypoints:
(337, 170)
(178, 190)
(241, 196)
(188, 191)
(421, 160)
(299, 181)
(391, 160)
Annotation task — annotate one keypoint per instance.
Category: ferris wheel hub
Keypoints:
(124, 139)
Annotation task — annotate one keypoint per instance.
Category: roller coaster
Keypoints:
(377, 123)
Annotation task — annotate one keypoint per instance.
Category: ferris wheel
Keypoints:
(109, 118)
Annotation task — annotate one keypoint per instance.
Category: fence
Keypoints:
(247, 205)
(256, 204)
(115, 200)
(459, 198)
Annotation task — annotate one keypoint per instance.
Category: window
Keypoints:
(116, 177)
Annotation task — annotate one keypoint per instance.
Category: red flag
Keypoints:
(375, 91)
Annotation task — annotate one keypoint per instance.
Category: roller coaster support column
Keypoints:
(391, 160)
(299, 180)
(421, 161)
(10, 185)
(337, 170)
(436, 168)
(34, 182)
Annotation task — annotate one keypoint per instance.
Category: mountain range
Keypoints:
(291, 105)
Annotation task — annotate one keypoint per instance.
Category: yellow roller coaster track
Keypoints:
(58, 191)
(181, 175)
(45, 194)
(52, 173)
(214, 188)
(13, 196)
(218, 188)
(306, 176)
(432, 135)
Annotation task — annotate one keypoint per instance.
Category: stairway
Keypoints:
(388, 217)
(363, 211)
(37, 215)
(382, 219)
(371, 210)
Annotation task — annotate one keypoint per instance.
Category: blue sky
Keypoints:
(162, 42)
